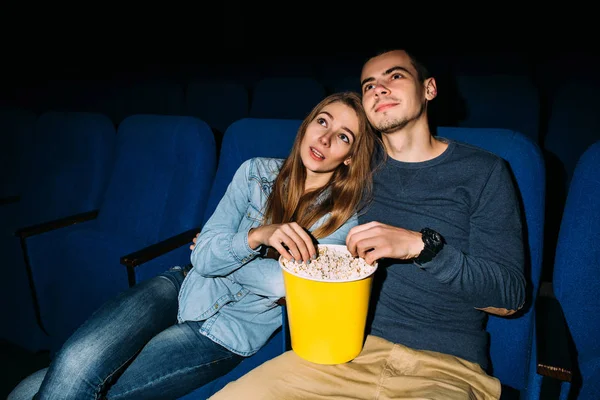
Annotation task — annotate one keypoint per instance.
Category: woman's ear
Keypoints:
(347, 161)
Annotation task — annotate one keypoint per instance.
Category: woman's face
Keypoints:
(329, 139)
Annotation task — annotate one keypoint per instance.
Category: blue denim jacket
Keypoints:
(231, 287)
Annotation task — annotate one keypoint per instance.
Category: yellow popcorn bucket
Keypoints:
(327, 318)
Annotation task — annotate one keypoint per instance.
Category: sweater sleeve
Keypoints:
(491, 273)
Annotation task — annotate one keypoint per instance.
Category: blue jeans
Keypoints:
(133, 348)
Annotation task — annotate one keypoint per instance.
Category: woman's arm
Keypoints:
(220, 248)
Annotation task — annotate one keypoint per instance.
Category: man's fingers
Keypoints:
(373, 255)
(195, 240)
(353, 240)
(361, 228)
(366, 245)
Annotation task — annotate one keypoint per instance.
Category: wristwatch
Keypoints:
(434, 242)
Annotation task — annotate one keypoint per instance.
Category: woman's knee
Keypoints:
(168, 282)
(78, 356)
(160, 289)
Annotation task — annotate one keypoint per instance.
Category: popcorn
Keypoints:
(330, 265)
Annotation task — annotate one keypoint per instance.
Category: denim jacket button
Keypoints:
(216, 306)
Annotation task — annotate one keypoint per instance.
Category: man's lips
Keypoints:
(383, 107)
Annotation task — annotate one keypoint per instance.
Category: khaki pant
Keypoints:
(382, 371)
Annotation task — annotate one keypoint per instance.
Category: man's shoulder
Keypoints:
(475, 155)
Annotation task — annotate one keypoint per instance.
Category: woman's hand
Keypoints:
(290, 240)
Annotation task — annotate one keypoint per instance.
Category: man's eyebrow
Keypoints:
(343, 127)
(387, 72)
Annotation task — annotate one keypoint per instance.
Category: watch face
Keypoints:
(433, 239)
(433, 244)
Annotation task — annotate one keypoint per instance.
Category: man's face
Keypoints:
(392, 94)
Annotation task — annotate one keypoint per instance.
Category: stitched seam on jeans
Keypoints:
(179, 371)
(101, 386)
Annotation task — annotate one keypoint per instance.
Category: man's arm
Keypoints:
(490, 275)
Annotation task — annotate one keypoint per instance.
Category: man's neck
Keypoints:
(413, 143)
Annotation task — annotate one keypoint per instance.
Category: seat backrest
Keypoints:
(68, 165)
(247, 138)
(149, 97)
(576, 279)
(501, 101)
(573, 126)
(511, 337)
(161, 179)
(16, 136)
(271, 97)
(217, 102)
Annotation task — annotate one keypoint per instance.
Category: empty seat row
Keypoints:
(496, 101)
(92, 194)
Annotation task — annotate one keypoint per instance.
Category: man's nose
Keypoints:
(381, 90)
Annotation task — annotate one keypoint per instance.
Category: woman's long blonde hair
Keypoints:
(350, 185)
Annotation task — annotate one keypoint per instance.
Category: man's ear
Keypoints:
(430, 89)
(347, 161)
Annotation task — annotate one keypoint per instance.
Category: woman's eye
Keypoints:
(345, 138)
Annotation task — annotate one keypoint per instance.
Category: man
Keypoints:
(445, 227)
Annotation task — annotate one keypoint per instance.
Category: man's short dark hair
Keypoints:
(415, 59)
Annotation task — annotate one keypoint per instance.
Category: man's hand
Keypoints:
(195, 240)
(374, 240)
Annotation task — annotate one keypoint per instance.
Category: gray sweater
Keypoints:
(468, 196)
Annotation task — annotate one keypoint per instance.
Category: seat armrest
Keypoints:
(37, 229)
(155, 250)
(554, 357)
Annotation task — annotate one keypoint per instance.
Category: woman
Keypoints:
(186, 327)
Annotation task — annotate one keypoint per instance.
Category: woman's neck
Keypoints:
(315, 181)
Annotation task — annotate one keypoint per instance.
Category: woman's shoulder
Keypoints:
(267, 167)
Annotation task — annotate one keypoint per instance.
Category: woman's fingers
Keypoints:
(292, 242)
(301, 245)
(282, 250)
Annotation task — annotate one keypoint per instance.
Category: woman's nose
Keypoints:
(325, 139)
